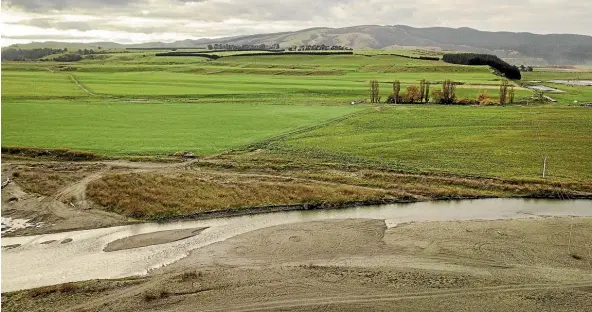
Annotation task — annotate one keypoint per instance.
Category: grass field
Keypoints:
(502, 142)
(148, 105)
(152, 128)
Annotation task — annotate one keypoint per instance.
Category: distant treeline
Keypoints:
(69, 57)
(509, 71)
(12, 54)
(426, 58)
(165, 48)
(318, 47)
(210, 56)
(244, 47)
(215, 57)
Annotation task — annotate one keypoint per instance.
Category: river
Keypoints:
(33, 264)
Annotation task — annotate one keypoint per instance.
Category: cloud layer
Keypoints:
(168, 20)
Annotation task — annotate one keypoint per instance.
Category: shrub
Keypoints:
(393, 99)
(482, 97)
(488, 102)
(437, 96)
(466, 101)
(413, 94)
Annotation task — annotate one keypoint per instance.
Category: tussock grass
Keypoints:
(152, 195)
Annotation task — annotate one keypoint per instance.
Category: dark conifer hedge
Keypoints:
(509, 71)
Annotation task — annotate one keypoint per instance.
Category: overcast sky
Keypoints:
(134, 21)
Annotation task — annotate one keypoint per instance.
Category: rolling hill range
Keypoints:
(518, 47)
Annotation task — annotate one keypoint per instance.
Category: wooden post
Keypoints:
(544, 166)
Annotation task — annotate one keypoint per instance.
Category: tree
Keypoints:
(396, 90)
(422, 89)
(438, 96)
(511, 94)
(522, 68)
(503, 91)
(374, 91)
(502, 67)
(427, 92)
(413, 94)
(448, 92)
(210, 47)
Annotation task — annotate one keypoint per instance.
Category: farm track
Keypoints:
(353, 299)
(79, 85)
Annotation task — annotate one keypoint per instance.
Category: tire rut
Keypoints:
(353, 299)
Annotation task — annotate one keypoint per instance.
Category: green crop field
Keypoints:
(113, 128)
(141, 104)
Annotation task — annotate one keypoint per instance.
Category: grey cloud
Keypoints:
(42, 6)
(48, 37)
(234, 17)
(58, 24)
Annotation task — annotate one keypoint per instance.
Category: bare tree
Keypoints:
(396, 90)
(427, 92)
(511, 94)
(503, 92)
(422, 89)
(448, 91)
(374, 91)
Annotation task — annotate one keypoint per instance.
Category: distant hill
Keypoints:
(514, 47)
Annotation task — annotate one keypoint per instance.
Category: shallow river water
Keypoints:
(33, 264)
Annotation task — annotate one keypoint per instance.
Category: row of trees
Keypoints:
(503, 68)
(446, 95)
(243, 47)
(318, 47)
(68, 57)
(14, 54)
(17, 54)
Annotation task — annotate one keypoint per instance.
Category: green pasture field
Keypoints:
(38, 84)
(148, 105)
(111, 128)
(486, 141)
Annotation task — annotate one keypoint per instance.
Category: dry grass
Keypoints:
(188, 276)
(66, 288)
(149, 195)
(49, 154)
(152, 295)
(420, 184)
(47, 179)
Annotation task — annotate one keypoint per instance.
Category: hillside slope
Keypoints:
(553, 48)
